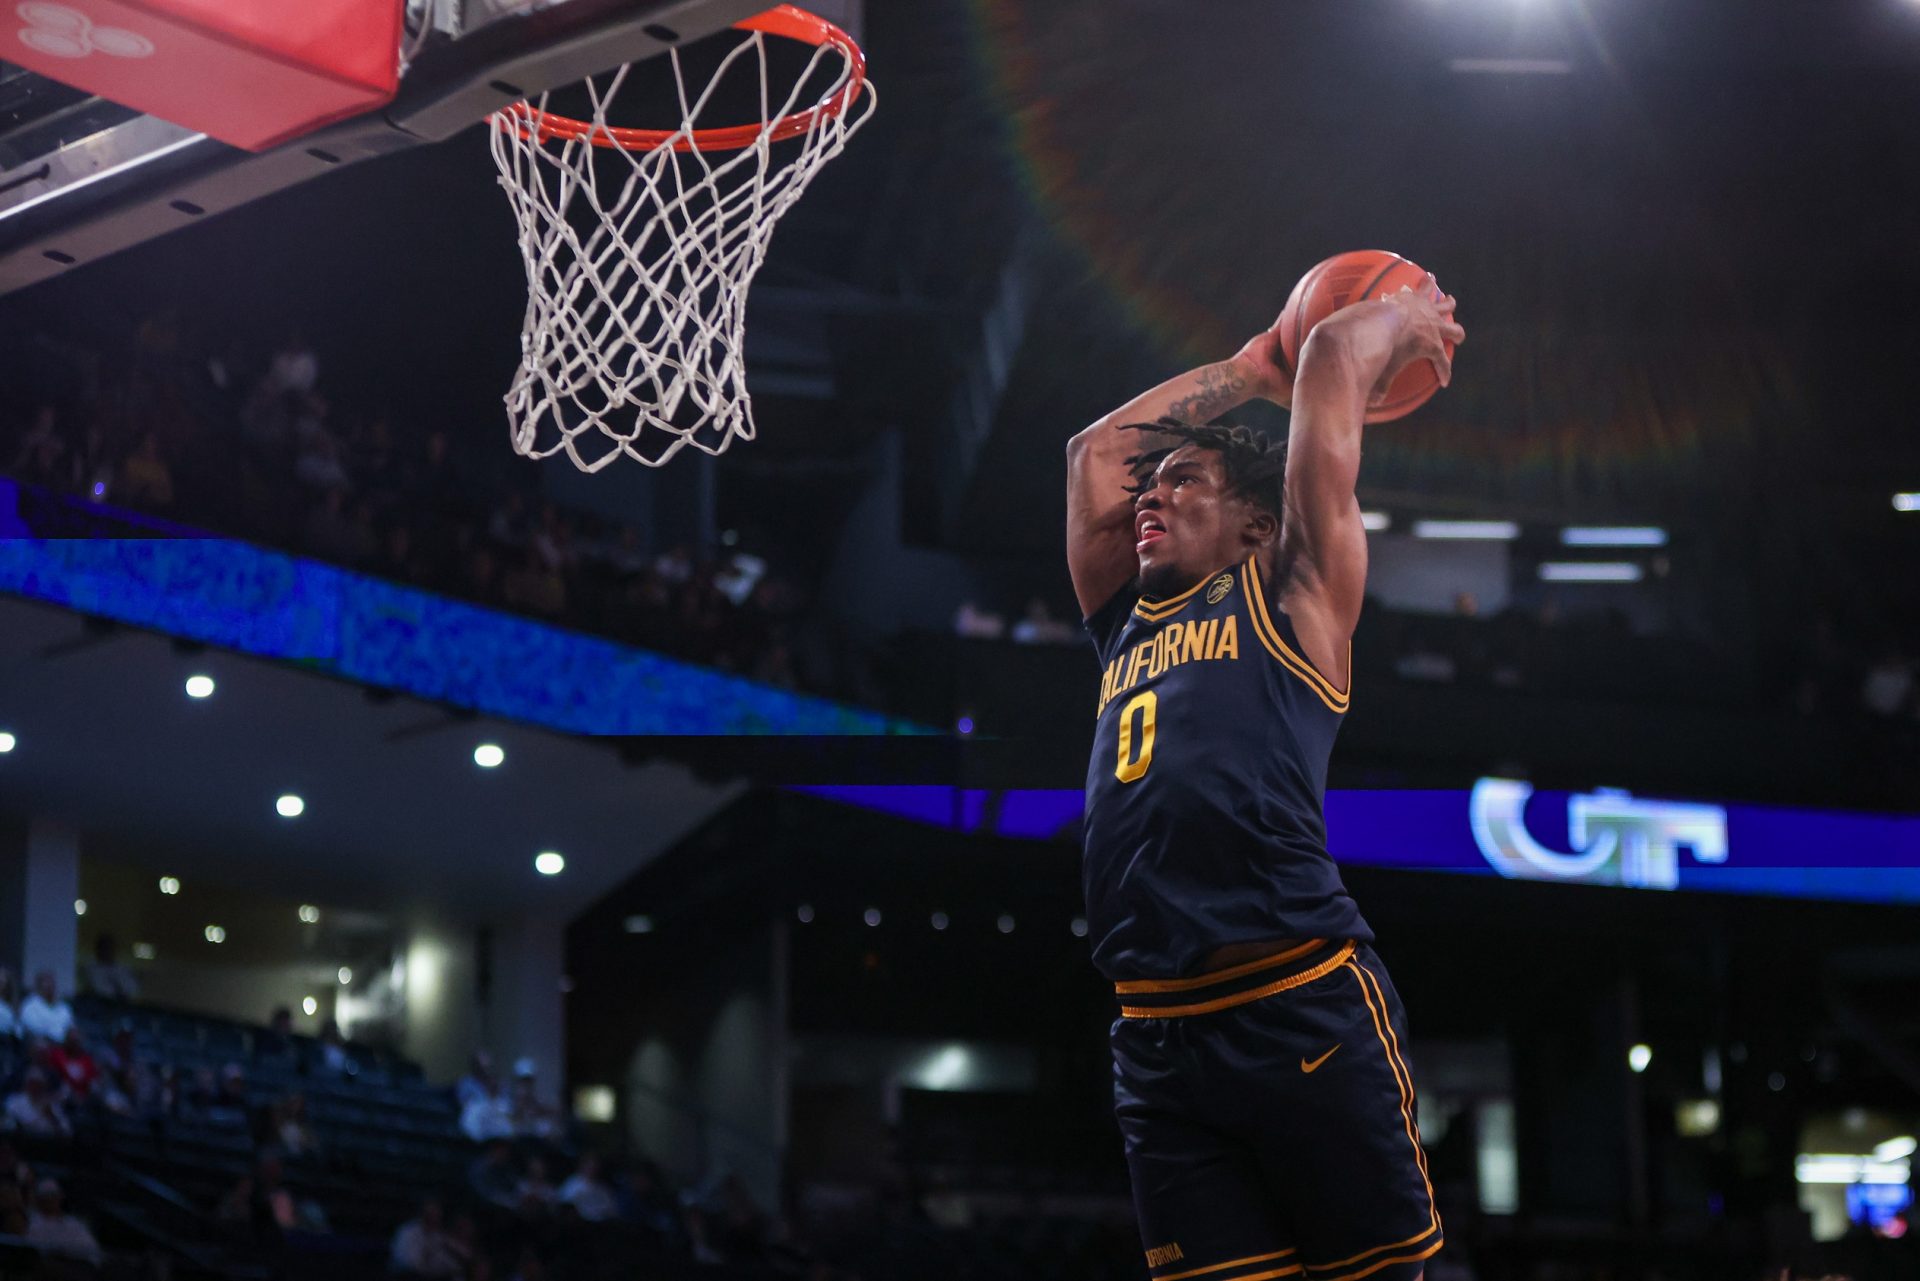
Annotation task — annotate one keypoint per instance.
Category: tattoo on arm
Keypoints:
(1221, 388)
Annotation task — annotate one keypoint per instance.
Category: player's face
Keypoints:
(1186, 523)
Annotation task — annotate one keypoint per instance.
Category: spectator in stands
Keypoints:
(13, 1209)
(422, 1246)
(51, 1228)
(975, 623)
(646, 1200)
(276, 1043)
(479, 1082)
(36, 1109)
(492, 1177)
(334, 533)
(532, 1119)
(145, 478)
(1040, 627)
(333, 1057)
(43, 1013)
(536, 1194)
(107, 977)
(224, 1103)
(289, 1127)
(588, 1193)
(75, 1065)
(9, 1003)
(489, 1116)
(535, 587)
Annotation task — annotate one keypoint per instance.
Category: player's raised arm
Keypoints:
(1349, 357)
(1100, 539)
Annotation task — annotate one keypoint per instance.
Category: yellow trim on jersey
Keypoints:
(1163, 609)
(1270, 637)
(1216, 976)
(1403, 1081)
(1304, 977)
(1388, 1262)
(1231, 1263)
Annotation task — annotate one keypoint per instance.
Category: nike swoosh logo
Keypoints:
(1313, 1066)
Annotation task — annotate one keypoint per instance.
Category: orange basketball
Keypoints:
(1349, 278)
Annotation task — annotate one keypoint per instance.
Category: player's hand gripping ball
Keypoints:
(1367, 275)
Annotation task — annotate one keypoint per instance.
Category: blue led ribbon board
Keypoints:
(277, 606)
(1502, 827)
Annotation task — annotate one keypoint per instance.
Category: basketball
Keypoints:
(1350, 278)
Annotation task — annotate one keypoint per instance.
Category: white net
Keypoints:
(638, 261)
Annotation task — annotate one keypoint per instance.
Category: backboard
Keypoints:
(82, 178)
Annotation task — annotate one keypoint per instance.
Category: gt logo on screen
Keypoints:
(1616, 839)
(61, 31)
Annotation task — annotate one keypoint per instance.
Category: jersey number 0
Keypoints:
(1131, 768)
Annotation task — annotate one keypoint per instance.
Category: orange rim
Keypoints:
(785, 20)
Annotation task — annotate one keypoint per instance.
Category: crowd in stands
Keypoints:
(262, 451)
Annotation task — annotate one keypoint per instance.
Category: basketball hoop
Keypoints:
(637, 274)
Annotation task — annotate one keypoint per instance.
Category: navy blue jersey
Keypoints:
(1204, 823)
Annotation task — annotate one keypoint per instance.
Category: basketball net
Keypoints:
(640, 246)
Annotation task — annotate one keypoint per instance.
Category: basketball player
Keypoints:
(1260, 1071)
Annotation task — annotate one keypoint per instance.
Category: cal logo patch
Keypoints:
(1218, 590)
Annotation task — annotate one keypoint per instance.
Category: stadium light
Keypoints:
(310, 1006)
(345, 975)
(169, 885)
(143, 951)
(1613, 536)
(805, 913)
(1906, 502)
(309, 913)
(1639, 1056)
(199, 686)
(940, 921)
(214, 934)
(1374, 522)
(1591, 571)
(290, 806)
(1467, 530)
(871, 916)
(7, 741)
(549, 863)
(79, 907)
(1510, 66)
(489, 755)
(1841, 1167)
(1079, 927)
(639, 924)
(1005, 924)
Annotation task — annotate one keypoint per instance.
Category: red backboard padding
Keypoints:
(253, 73)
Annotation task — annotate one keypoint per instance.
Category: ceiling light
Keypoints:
(79, 907)
(1079, 927)
(290, 806)
(1006, 924)
(143, 951)
(309, 913)
(488, 755)
(805, 913)
(199, 686)
(1906, 502)
(309, 1005)
(549, 863)
(1895, 1149)
(939, 920)
(1374, 522)
(1510, 66)
(215, 934)
(639, 924)
(871, 916)
(346, 975)
(7, 741)
(1639, 1056)
(1590, 571)
(1613, 536)
(1489, 530)
(169, 885)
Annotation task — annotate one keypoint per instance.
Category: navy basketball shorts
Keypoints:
(1268, 1114)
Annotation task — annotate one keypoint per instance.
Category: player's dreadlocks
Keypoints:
(1256, 467)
